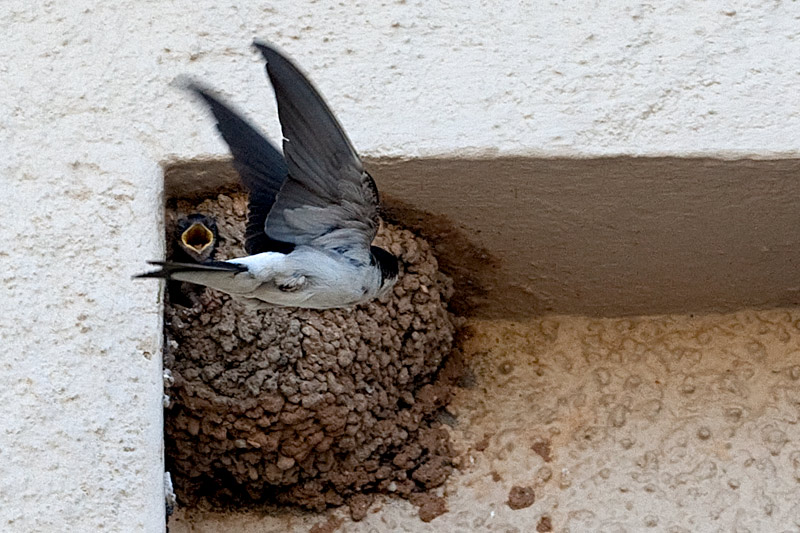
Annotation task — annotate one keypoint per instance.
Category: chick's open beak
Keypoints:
(197, 237)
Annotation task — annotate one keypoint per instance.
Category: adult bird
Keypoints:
(312, 212)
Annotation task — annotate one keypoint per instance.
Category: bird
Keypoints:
(313, 210)
(197, 237)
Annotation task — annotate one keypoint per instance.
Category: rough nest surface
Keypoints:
(313, 408)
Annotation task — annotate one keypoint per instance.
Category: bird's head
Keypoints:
(197, 236)
(389, 267)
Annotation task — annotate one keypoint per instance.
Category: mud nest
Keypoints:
(312, 408)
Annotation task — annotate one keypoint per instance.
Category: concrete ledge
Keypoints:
(601, 237)
(617, 236)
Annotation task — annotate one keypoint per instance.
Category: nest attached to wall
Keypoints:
(313, 408)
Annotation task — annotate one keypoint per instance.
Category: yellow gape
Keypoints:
(197, 237)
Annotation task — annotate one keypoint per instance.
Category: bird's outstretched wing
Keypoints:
(260, 165)
(328, 200)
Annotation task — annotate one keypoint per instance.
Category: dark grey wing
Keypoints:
(328, 199)
(260, 165)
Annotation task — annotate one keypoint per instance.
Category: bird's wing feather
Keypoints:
(260, 165)
(329, 200)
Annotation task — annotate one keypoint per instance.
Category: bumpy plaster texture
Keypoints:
(668, 423)
(87, 113)
(307, 407)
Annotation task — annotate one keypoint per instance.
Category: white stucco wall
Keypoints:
(87, 113)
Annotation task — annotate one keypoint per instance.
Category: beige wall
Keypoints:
(87, 114)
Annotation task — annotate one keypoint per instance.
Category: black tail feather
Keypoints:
(169, 268)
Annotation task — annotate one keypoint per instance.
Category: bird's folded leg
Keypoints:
(291, 283)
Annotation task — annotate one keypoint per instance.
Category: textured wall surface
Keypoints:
(87, 113)
(673, 424)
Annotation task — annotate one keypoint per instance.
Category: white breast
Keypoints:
(331, 280)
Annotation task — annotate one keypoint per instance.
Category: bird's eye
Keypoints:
(198, 237)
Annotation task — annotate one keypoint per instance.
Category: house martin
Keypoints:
(312, 211)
